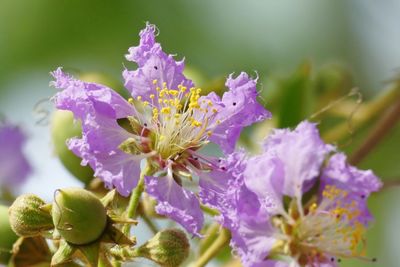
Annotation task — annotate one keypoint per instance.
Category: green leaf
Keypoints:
(63, 254)
(114, 235)
(91, 253)
(30, 251)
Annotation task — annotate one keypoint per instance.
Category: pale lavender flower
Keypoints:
(289, 208)
(166, 122)
(14, 167)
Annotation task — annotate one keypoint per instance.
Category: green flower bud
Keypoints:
(28, 216)
(168, 248)
(63, 127)
(7, 236)
(78, 215)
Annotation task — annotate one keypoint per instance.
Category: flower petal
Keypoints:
(253, 240)
(176, 203)
(83, 98)
(340, 172)
(240, 109)
(99, 107)
(153, 64)
(264, 176)
(14, 166)
(213, 184)
(303, 152)
(116, 168)
(241, 211)
(359, 184)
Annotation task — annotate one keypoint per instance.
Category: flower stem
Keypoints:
(209, 237)
(135, 197)
(214, 249)
(152, 226)
(209, 211)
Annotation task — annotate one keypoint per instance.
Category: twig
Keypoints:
(381, 128)
(366, 113)
(152, 226)
(390, 184)
(214, 249)
(209, 236)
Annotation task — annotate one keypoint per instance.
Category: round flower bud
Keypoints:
(7, 236)
(78, 215)
(28, 217)
(168, 248)
(64, 127)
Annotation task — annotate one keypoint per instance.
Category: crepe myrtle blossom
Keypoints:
(14, 167)
(167, 121)
(297, 204)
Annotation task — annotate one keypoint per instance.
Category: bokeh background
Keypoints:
(315, 48)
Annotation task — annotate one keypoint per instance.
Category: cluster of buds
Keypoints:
(83, 229)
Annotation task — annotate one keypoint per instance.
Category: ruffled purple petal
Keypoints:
(175, 202)
(273, 263)
(252, 241)
(264, 176)
(252, 234)
(99, 107)
(239, 109)
(153, 64)
(84, 99)
(213, 184)
(359, 184)
(14, 166)
(212, 187)
(241, 211)
(338, 171)
(303, 153)
(116, 168)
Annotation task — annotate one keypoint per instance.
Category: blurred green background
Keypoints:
(306, 53)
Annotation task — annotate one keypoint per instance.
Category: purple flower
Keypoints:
(167, 121)
(289, 208)
(14, 167)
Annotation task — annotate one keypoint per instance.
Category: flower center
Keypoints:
(179, 119)
(325, 232)
(171, 124)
